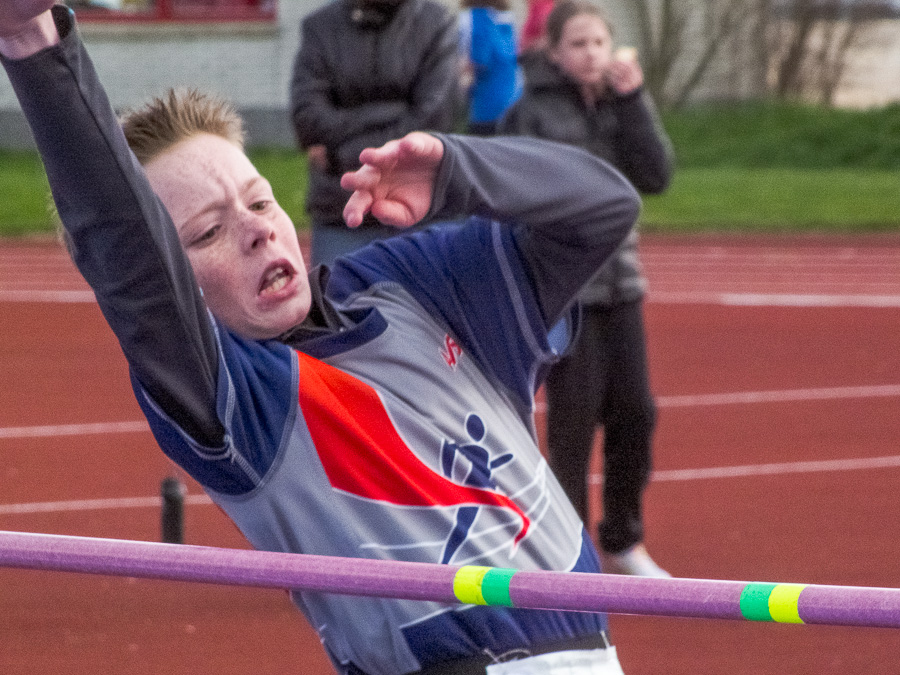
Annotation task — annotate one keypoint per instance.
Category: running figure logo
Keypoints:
(363, 455)
(479, 475)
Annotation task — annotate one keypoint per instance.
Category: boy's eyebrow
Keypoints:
(250, 184)
(219, 204)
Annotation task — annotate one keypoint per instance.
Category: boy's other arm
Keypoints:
(570, 210)
(122, 239)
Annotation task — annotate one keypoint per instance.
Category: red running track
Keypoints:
(777, 368)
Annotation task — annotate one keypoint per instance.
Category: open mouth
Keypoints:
(277, 276)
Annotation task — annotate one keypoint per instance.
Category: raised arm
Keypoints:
(571, 210)
(122, 239)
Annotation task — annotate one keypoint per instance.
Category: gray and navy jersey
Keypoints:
(406, 436)
(398, 427)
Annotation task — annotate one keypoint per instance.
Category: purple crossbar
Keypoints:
(698, 598)
(236, 567)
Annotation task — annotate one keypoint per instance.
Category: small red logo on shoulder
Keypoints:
(451, 351)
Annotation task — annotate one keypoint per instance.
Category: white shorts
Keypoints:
(575, 662)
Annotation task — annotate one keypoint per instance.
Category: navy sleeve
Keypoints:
(500, 286)
(570, 210)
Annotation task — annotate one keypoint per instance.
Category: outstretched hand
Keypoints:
(26, 27)
(395, 182)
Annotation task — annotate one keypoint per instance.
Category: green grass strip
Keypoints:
(776, 200)
(701, 199)
(26, 206)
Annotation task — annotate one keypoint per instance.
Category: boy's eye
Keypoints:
(207, 235)
(259, 206)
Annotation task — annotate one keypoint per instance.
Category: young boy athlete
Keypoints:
(378, 409)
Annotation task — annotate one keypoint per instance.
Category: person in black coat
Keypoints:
(366, 72)
(579, 91)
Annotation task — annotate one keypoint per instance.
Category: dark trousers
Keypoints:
(604, 381)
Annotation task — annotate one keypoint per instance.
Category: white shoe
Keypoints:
(634, 561)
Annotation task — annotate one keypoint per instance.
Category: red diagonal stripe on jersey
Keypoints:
(363, 454)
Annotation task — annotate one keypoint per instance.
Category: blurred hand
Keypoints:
(625, 74)
(396, 181)
(317, 156)
(26, 27)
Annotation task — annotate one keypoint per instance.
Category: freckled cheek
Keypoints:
(219, 279)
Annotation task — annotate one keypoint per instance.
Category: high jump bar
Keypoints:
(468, 584)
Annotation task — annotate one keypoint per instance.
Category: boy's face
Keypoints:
(585, 50)
(242, 246)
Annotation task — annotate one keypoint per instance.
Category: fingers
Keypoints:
(394, 213)
(383, 157)
(362, 184)
(356, 208)
(422, 146)
(364, 178)
(625, 76)
(413, 148)
(395, 181)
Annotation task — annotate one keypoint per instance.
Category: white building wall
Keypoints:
(247, 63)
(872, 77)
(250, 64)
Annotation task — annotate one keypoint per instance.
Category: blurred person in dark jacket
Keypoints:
(579, 91)
(367, 71)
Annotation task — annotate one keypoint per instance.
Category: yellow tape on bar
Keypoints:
(467, 584)
(783, 603)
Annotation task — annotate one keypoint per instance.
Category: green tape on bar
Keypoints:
(467, 584)
(495, 587)
(755, 601)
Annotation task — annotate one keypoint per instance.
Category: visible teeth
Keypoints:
(276, 280)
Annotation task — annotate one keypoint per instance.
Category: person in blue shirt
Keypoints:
(488, 45)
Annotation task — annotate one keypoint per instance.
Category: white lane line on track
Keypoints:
(820, 394)
(683, 401)
(773, 469)
(657, 298)
(813, 466)
(778, 396)
(95, 504)
(670, 475)
(50, 431)
(830, 393)
(772, 299)
(48, 296)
